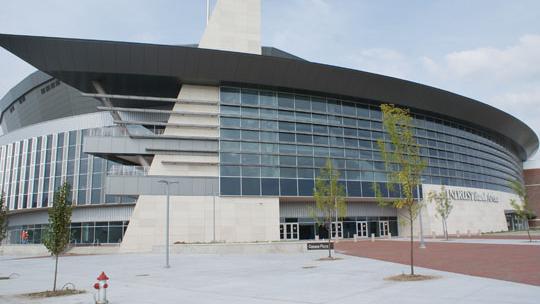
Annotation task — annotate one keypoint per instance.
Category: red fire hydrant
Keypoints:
(101, 286)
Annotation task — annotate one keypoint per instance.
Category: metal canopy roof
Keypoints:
(159, 70)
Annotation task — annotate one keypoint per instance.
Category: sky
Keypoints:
(488, 50)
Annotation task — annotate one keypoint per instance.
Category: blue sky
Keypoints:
(484, 49)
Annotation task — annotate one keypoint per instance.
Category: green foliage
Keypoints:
(522, 208)
(328, 194)
(3, 218)
(403, 163)
(58, 233)
(329, 197)
(443, 206)
(401, 155)
(443, 203)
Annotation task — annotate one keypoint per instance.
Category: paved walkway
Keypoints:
(516, 263)
(258, 279)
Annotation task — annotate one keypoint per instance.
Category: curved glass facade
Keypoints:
(32, 169)
(273, 143)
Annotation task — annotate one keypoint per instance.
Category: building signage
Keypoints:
(468, 195)
(319, 246)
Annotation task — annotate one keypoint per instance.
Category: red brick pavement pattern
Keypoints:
(516, 263)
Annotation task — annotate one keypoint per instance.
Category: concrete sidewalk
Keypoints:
(270, 278)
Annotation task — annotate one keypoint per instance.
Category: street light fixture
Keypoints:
(167, 188)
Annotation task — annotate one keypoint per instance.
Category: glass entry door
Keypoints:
(339, 230)
(288, 231)
(384, 228)
(362, 229)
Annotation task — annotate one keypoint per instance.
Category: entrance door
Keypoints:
(339, 230)
(288, 231)
(362, 229)
(384, 228)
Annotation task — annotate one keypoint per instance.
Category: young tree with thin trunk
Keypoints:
(3, 219)
(58, 233)
(522, 208)
(443, 206)
(404, 165)
(329, 197)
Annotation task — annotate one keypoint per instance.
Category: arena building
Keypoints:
(240, 132)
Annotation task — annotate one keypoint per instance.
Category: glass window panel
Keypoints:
(286, 126)
(250, 112)
(251, 186)
(250, 97)
(287, 160)
(270, 186)
(354, 189)
(335, 120)
(320, 140)
(269, 172)
(230, 186)
(305, 161)
(364, 133)
(353, 175)
(320, 129)
(288, 187)
(230, 95)
(230, 122)
(268, 113)
(286, 100)
(250, 123)
(319, 118)
(250, 135)
(303, 103)
(336, 141)
(287, 149)
(334, 106)
(301, 127)
(321, 151)
(286, 137)
(300, 116)
(337, 152)
(230, 146)
(270, 160)
(367, 189)
(287, 172)
(286, 115)
(251, 159)
(233, 158)
(302, 138)
(230, 110)
(305, 173)
(230, 171)
(269, 125)
(251, 171)
(305, 187)
(318, 104)
(352, 153)
(350, 132)
(305, 150)
(230, 134)
(250, 147)
(269, 148)
(268, 99)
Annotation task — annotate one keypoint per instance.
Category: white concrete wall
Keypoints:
(235, 25)
(237, 220)
(467, 215)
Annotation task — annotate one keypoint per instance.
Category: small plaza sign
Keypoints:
(319, 246)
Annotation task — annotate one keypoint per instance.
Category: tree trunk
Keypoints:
(55, 271)
(445, 230)
(412, 254)
(528, 229)
(329, 239)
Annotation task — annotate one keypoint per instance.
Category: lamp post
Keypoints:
(167, 186)
(422, 243)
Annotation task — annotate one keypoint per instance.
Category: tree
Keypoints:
(329, 197)
(443, 206)
(522, 208)
(404, 165)
(3, 218)
(57, 235)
